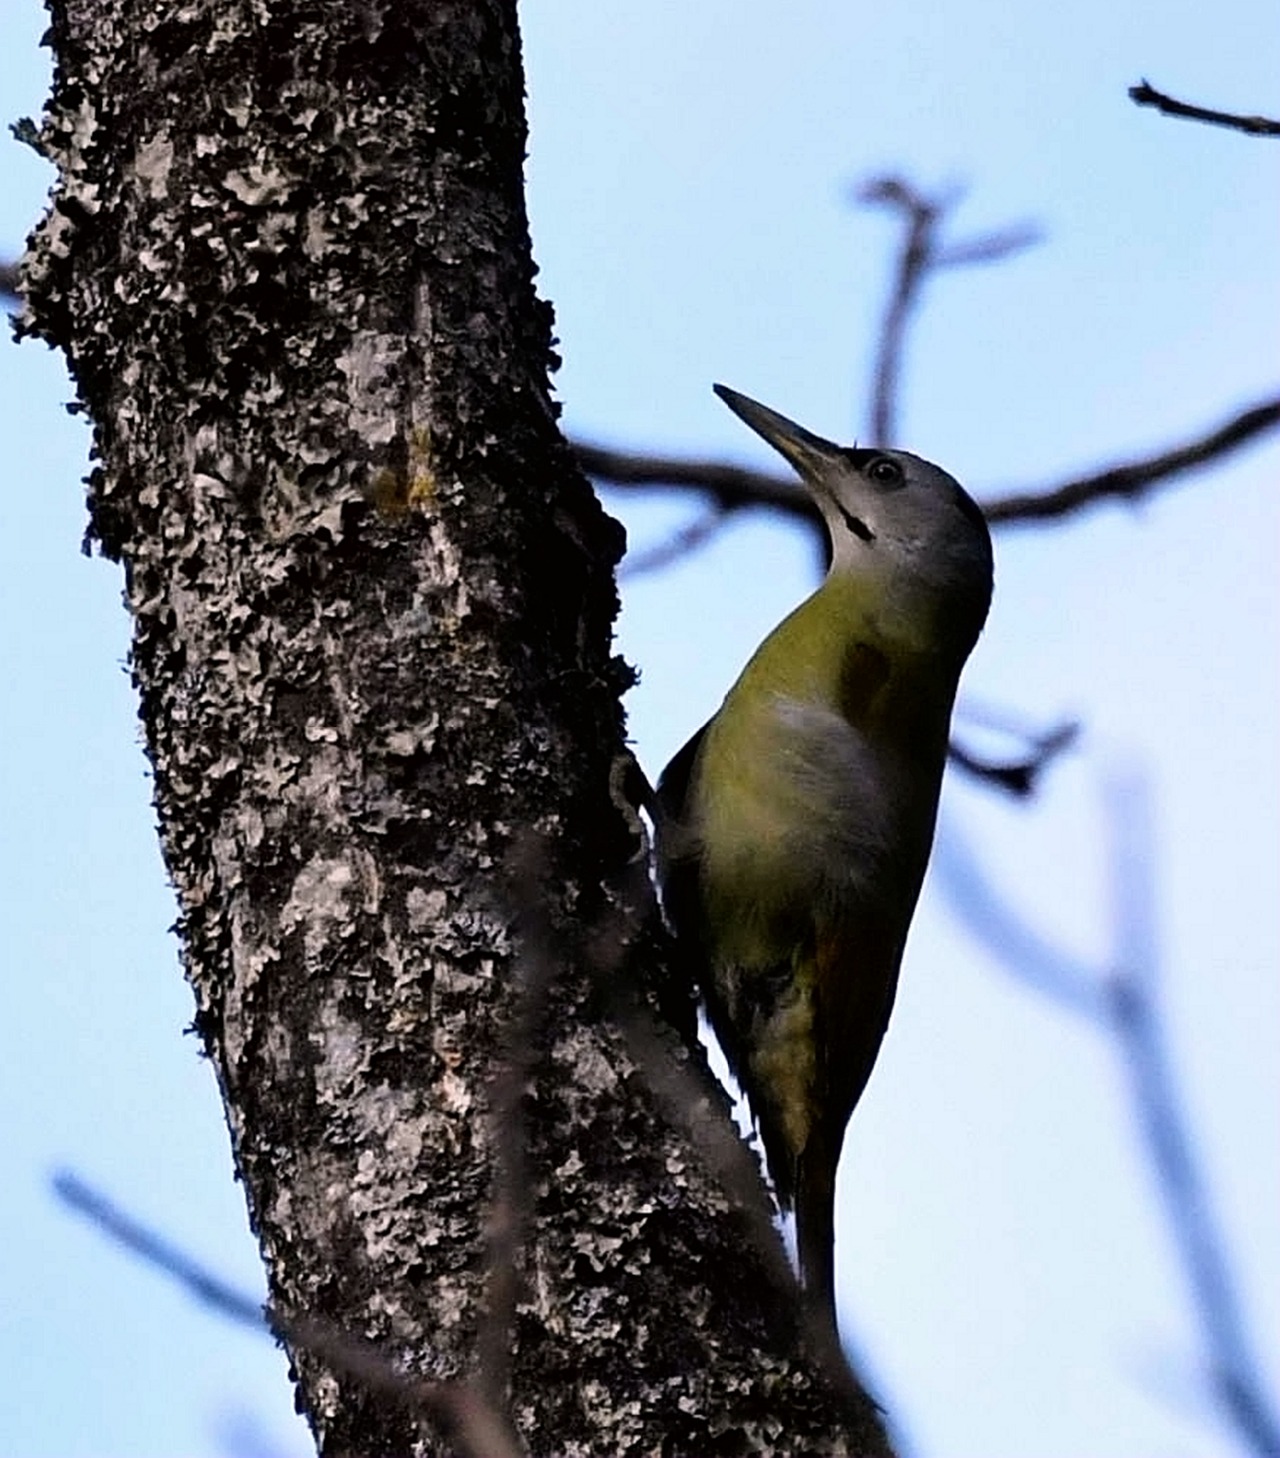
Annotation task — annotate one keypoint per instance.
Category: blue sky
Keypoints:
(1003, 1261)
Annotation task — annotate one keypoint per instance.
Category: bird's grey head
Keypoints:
(888, 511)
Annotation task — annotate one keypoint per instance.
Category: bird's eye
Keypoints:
(885, 471)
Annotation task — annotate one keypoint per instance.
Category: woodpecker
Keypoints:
(795, 826)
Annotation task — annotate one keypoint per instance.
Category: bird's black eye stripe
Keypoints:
(855, 524)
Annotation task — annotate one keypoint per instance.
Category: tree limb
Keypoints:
(1121, 997)
(1145, 94)
(1134, 479)
(1132, 1003)
(737, 488)
(920, 253)
(1018, 776)
(482, 1429)
(730, 487)
(680, 544)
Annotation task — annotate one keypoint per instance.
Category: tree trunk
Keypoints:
(288, 262)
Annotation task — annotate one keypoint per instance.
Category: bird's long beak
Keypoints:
(807, 452)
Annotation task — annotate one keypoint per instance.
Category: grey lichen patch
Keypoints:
(594, 1074)
(342, 1053)
(320, 902)
(319, 780)
(413, 739)
(425, 907)
(152, 164)
(371, 364)
(258, 186)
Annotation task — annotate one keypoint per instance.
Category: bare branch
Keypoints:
(1018, 946)
(1019, 776)
(698, 1107)
(990, 247)
(1125, 1002)
(1132, 1004)
(154, 1250)
(731, 487)
(737, 488)
(1133, 479)
(921, 217)
(535, 974)
(9, 282)
(1145, 94)
(680, 544)
(920, 252)
(480, 1428)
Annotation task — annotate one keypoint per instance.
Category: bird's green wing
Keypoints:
(677, 843)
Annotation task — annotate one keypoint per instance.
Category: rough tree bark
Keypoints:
(287, 260)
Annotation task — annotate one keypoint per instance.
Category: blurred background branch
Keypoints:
(740, 488)
(1121, 998)
(481, 1429)
(921, 252)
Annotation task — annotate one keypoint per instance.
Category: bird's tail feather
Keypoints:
(815, 1229)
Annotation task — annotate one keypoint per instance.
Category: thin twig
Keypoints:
(1125, 1002)
(921, 216)
(730, 487)
(680, 544)
(989, 247)
(920, 253)
(482, 1430)
(1132, 1003)
(1018, 776)
(535, 974)
(154, 1250)
(737, 488)
(688, 1103)
(1018, 946)
(1133, 479)
(1145, 94)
